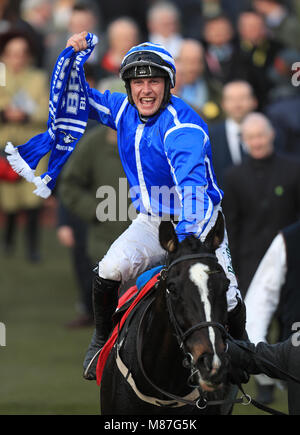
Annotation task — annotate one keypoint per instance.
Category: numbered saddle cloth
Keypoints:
(68, 116)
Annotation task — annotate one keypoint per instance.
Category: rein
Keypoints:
(267, 363)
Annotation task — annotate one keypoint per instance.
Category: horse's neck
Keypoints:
(162, 357)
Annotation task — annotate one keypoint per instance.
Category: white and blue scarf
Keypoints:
(68, 116)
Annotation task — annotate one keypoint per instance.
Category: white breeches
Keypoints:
(138, 249)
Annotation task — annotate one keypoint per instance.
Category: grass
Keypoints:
(41, 364)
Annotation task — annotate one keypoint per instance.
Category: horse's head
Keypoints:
(196, 296)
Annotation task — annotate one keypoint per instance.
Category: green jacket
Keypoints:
(95, 164)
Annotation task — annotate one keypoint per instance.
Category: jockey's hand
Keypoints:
(78, 41)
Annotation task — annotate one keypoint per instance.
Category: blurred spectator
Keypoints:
(256, 53)
(94, 164)
(122, 34)
(163, 23)
(238, 101)
(135, 9)
(211, 8)
(112, 84)
(191, 20)
(218, 39)
(83, 18)
(6, 171)
(38, 14)
(285, 117)
(284, 107)
(72, 232)
(10, 19)
(23, 114)
(179, 78)
(261, 196)
(202, 93)
(232, 8)
(10, 16)
(195, 12)
(4, 16)
(296, 8)
(280, 74)
(282, 24)
(62, 11)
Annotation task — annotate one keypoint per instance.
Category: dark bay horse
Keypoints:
(170, 357)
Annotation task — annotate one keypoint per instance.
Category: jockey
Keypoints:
(164, 148)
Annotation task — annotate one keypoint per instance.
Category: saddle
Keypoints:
(127, 302)
(128, 297)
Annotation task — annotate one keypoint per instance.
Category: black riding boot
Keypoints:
(105, 299)
(237, 322)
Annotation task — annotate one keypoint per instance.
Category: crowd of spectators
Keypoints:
(232, 58)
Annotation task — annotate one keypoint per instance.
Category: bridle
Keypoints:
(180, 335)
(188, 362)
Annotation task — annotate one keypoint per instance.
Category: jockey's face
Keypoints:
(147, 94)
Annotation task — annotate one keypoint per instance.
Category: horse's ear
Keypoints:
(216, 235)
(167, 236)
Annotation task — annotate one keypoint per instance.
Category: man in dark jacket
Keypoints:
(94, 165)
(238, 101)
(261, 196)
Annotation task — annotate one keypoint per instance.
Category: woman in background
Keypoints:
(23, 114)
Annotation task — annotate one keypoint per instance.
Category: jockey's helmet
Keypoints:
(148, 60)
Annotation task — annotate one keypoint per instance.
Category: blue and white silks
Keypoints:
(167, 160)
(68, 116)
